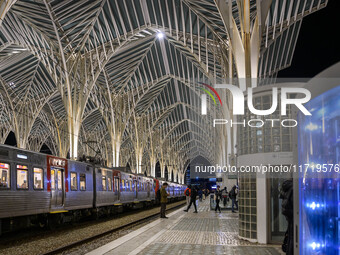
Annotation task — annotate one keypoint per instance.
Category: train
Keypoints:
(41, 189)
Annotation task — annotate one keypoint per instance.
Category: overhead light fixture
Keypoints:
(160, 35)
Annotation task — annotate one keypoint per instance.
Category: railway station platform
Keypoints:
(205, 232)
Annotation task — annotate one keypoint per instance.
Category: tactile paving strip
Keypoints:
(228, 225)
(197, 249)
(208, 238)
(198, 224)
(175, 236)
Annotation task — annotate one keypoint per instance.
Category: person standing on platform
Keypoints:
(233, 194)
(286, 194)
(187, 193)
(193, 197)
(164, 200)
(218, 196)
(207, 192)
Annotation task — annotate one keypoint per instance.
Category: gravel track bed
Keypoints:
(85, 248)
(48, 241)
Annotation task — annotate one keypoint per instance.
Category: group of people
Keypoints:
(223, 195)
(191, 194)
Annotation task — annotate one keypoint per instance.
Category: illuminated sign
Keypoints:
(57, 162)
(21, 156)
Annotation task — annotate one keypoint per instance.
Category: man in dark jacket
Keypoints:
(233, 194)
(193, 197)
(218, 197)
(286, 194)
(164, 199)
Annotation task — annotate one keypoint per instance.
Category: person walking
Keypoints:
(218, 196)
(187, 193)
(164, 200)
(233, 194)
(200, 194)
(224, 193)
(193, 197)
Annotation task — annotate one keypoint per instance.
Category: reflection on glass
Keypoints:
(38, 178)
(4, 176)
(60, 182)
(109, 182)
(22, 175)
(82, 181)
(74, 183)
(52, 180)
(319, 143)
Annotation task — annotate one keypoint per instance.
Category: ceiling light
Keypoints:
(160, 35)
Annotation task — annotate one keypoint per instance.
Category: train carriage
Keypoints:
(105, 187)
(146, 190)
(43, 188)
(23, 177)
(79, 190)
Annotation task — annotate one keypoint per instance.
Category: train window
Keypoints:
(52, 180)
(60, 184)
(82, 181)
(109, 183)
(22, 177)
(38, 178)
(104, 185)
(4, 176)
(131, 188)
(104, 182)
(123, 185)
(74, 182)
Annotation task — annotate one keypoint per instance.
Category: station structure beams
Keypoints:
(120, 79)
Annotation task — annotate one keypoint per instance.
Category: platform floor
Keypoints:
(184, 233)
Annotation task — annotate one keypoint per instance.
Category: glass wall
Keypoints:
(278, 222)
(271, 137)
(319, 183)
(247, 207)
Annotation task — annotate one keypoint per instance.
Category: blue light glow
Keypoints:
(315, 245)
(311, 127)
(314, 205)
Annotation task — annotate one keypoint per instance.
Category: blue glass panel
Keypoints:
(319, 147)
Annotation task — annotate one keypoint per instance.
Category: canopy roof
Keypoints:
(125, 73)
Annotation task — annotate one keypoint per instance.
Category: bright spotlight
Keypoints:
(160, 35)
(311, 127)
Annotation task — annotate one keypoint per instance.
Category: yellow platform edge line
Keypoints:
(59, 211)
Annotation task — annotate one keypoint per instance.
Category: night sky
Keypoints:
(318, 47)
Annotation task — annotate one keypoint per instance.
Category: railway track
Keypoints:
(75, 244)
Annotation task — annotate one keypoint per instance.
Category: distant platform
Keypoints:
(182, 233)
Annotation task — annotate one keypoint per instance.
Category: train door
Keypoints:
(57, 187)
(57, 181)
(148, 189)
(117, 186)
(136, 188)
